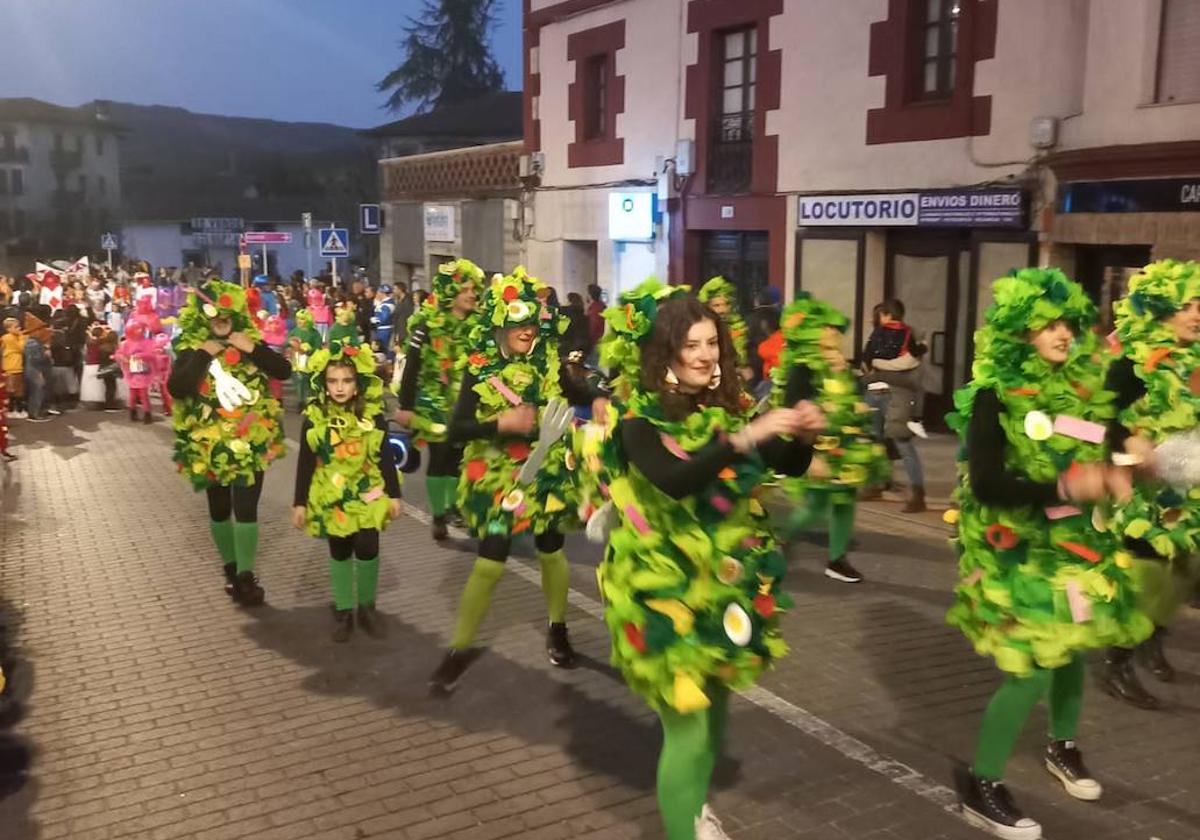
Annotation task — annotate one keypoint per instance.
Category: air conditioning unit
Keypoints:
(685, 157)
(532, 165)
(1043, 132)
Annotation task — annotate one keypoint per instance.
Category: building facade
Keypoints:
(59, 179)
(883, 148)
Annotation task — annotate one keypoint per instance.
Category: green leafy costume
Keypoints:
(1166, 518)
(214, 446)
(719, 287)
(310, 341)
(345, 328)
(628, 322)
(1038, 586)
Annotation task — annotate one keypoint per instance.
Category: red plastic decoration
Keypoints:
(634, 636)
(764, 605)
(1002, 537)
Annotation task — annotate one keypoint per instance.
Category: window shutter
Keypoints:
(1179, 55)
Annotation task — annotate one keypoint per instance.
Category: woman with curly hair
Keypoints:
(1042, 578)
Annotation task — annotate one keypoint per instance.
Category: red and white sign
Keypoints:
(266, 237)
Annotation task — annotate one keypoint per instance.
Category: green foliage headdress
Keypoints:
(630, 323)
(370, 386)
(213, 299)
(1155, 293)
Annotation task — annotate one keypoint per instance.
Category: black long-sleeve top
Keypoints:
(1123, 382)
(191, 366)
(465, 426)
(679, 478)
(991, 481)
(308, 466)
(412, 368)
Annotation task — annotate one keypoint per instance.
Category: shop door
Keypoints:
(741, 257)
(923, 274)
(1104, 270)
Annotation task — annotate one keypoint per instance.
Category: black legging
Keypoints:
(444, 459)
(362, 544)
(495, 547)
(238, 501)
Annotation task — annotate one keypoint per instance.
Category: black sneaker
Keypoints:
(246, 590)
(230, 570)
(8, 456)
(1150, 653)
(988, 805)
(1119, 679)
(371, 621)
(454, 665)
(148, 419)
(439, 529)
(558, 646)
(840, 569)
(1065, 762)
(133, 416)
(343, 625)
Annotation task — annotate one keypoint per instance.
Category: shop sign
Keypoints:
(439, 223)
(932, 208)
(631, 216)
(1159, 195)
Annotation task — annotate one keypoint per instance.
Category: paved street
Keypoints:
(160, 710)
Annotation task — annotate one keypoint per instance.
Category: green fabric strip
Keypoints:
(368, 580)
(476, 598)
(245, 540)
(556, 580)
(222, 535)
(341, 580)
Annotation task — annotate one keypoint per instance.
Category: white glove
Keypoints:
(601, 523)
(556, 419)
(398, 372)
(230, 392)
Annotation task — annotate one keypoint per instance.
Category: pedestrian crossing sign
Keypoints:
(108, 242)
(335, 242)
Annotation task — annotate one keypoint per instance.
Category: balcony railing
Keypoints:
(731, 153)
(66, 159)
(14, 154)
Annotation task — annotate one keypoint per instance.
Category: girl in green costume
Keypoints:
(345, 327)
(1158, 396)
(721, 297)
(846, 457)
(303, 341)
(228, 427)
(691, 577)
(438, 347)
(346, 483)
(519, 473)
(1042, 577)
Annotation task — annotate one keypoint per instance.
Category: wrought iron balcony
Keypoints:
(731, 153)
(14, 154)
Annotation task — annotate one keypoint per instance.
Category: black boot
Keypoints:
(558, 646)
(988, 805)
(1121, 680)
(148, 419)
(343, 625)
(370, 621)
(1152, 657)
(440, 531)
(916, 501)
(246, 590)
(449, 672)
(230, 570)
(1065, 763)
(133, 414)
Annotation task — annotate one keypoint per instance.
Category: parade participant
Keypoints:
(382, 322)
(847, 457)
(721, 297)
(347, 487)
(318, 305)
(437, 338)
(136, 355)
(38, 366)
(1042, 578)
(274, 335)
(303, 341)
(161, 369)
(512, 397)
(121, 302)
(4, 450)
(228, 427)
(12, 360)
(345, 327)
(1158, 396)
(691, 577)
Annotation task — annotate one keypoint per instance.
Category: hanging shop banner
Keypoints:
(932, 208)
(1158, 195)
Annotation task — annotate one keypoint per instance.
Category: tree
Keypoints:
(446, 57)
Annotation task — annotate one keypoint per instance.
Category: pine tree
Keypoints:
(446, 57)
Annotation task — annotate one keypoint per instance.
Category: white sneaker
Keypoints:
(708, 827)
(918, 429)
(878, 386)
(18, 415)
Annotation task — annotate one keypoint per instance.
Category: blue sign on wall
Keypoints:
(369, 218)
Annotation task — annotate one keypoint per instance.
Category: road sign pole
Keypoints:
(109, 251)
(264, 270)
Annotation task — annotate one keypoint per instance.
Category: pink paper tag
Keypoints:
(372, 494)
(1062, 512)
(636, 519)
(504, 390)
(1073, 427)
(1081, 607)
(721, 503)
(674, 448)
(974, 577)
(751, 542)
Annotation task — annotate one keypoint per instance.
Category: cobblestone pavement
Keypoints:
(160, 710)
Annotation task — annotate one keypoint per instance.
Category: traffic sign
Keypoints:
(369, 218)
(266, 237)
(108, 242)
(335, 242)
(306, 220)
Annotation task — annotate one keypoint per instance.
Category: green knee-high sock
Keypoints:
(222, 534)
(1003, 721)
(368, 580)
(811, 511)
(435, 489)
(245, 538)
(1066, 699)
(450, 491)
(556, 580)
(341, 581)
(684, 769)
(841, 527)
(476, 598)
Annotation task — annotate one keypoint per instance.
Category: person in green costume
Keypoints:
(438, 335)
(721, 297)
(1158, 396)
(1042, 577)
(345, 327)
(228, 427)
(691, 577)
(847, 457)
(347, 487)
(303, 341)
(519, 474)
